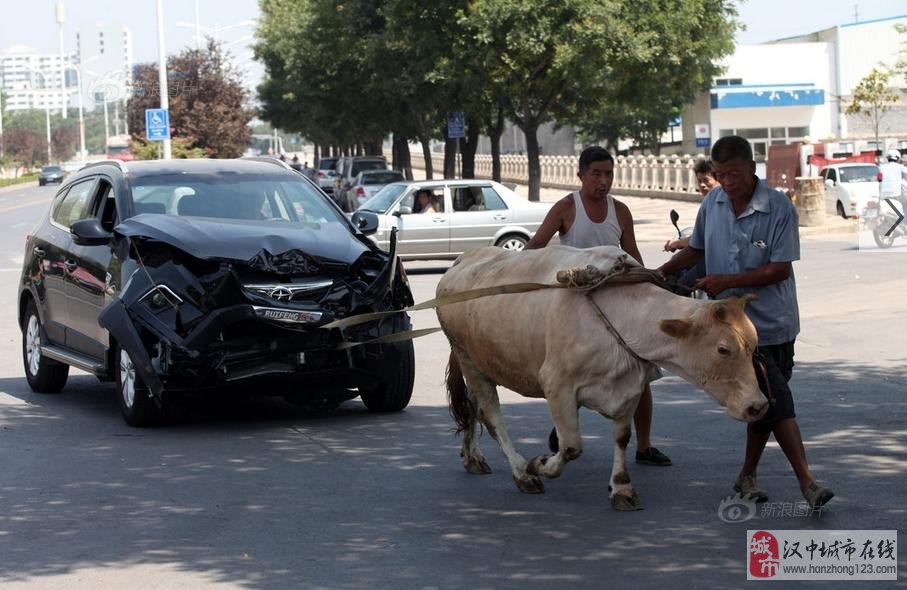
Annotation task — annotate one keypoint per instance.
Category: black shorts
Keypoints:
(779, 366)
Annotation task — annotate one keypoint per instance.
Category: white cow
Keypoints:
(553, 344)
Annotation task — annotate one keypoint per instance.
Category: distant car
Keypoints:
(324, 174)
(348, 169)
(467, 214)
(849, 187)
(51, 174)
(171, 276)
(369, 182)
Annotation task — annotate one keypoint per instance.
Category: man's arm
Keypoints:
(768, 274)
(552, 224)
(686, 258)
(627, 234)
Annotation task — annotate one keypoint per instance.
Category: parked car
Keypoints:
(467, 214)
(324, 174)
(51, 174)
(848, 187)
(368, 182)
(348, 168)
(172, 276)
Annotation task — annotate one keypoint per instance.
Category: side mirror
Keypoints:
(365, 221)
(89, 232)
(829, 183)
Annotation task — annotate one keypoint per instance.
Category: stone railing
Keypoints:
(665, 176)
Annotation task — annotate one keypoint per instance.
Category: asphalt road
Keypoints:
(253, 493)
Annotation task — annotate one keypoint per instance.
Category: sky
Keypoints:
(31, 22)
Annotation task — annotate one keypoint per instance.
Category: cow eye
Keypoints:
(724, 350)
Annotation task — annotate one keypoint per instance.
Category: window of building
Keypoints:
(754, 133)
(793, 132)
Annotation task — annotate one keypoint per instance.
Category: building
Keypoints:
(787, 90)
(104, 54)
(31, 80)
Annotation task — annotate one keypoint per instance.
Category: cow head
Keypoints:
(715, 351)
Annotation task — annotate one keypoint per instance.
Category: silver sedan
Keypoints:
(454, 216)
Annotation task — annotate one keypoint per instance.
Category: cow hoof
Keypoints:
(530, 484)
(625, 501)
(535, 466)
(477, 466)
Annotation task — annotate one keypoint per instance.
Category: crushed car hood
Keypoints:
(228, 239)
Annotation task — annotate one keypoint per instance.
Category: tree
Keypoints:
(207, 101)
(872, 98)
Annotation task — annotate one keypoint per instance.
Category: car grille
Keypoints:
(303, 290)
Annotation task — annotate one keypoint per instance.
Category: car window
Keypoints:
(831, 174)
(859, 174)
(258, 197)
(51, 169)
(410, 203)
(75, 205)
(493, 201)
(380, 177)
(327, 163)
(383, 199)
(358, 167)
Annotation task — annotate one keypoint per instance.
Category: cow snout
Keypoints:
(755, 411)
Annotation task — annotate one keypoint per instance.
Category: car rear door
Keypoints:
(478, 215)
(423, 234)
(88, 289)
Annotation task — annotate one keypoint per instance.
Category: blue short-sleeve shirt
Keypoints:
(765, 232)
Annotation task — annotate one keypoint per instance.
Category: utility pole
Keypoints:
(61, 18)
(162, 69)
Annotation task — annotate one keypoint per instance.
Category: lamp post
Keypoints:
(46, 110)
(61, 18)
(162, 71)
(81, 113)
(214, 31)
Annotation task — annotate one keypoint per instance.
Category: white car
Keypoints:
(466, 214)
(849, 187)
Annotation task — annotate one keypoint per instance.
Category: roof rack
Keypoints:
(118, 163)
(269, 160)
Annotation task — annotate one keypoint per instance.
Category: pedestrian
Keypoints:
(747, 235)
(591, 217)
(705, 181)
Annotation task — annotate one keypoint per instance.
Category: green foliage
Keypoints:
(20, 180)
(180, 148)
(873, 97)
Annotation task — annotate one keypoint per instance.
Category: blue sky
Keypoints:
(34, 25)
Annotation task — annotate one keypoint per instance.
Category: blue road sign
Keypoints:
(456, 125)
(703, 142)
(157, 124)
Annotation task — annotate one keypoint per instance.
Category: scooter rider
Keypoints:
(892, 177)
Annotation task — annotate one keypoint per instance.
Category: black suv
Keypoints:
(174, 276)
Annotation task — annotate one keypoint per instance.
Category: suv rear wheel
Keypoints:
(44, 375)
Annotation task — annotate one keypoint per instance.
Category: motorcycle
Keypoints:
(683, 284)
(887, 223)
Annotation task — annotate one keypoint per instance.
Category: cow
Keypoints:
(552, 343)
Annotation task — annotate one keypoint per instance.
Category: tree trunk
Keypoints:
(494, 134)
(315, 156)
(535, 167)
(469, 147)
(402, 158)
(450, 156)
(426, 155)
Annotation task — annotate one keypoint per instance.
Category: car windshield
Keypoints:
(327, 163)
(381, 177)
(383, 199)
(228, 195)
(859, 174)
(51, 169)
(368, 165)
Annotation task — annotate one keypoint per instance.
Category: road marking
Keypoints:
(25, 205)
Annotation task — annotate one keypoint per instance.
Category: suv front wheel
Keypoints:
(136, 403)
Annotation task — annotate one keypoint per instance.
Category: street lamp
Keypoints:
(81, 112)
(214, 31)
(46, 110)
(61, 18)
(162, 73)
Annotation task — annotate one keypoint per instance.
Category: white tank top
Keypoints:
(584, 233)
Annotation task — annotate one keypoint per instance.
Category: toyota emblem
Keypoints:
(280, 294)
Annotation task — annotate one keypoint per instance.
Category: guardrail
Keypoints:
(655, 176)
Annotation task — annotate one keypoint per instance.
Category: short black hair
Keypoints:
(704, 166)
(730, 148)
(592, 154)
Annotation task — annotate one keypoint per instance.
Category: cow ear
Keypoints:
(720, 311)
(748, 298)
(676, 328)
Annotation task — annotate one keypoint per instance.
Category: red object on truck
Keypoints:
(786, 162)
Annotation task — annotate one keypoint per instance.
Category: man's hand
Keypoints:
(715, 284)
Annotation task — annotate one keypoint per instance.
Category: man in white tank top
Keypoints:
(591, 217)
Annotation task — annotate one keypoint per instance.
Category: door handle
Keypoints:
(500, 217)
(39, 252)
(70, 265)
(439, 220)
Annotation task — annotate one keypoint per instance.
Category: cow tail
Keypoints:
(462, 409)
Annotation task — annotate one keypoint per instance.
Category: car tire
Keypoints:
(40, 183)
(44, 375)
(138, 407)
(393, 394)
(513, 242)
(840, 210)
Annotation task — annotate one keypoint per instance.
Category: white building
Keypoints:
(30, 79)
(784, 90)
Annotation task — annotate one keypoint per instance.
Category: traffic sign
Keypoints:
(157, 124)
(703, 133)
(456, 125)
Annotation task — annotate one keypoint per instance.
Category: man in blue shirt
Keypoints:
(747, 235)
